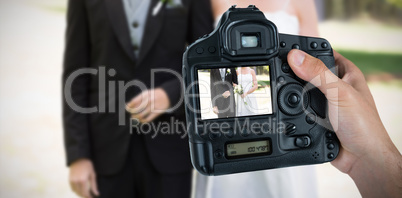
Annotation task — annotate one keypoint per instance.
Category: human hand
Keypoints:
(83, 178)
(148, 105)
(226, 94)
(367, 153)
(215, 110)
(244, 95)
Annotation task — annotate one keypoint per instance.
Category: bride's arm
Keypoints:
(255, 83)
(219, 7)
(307, 15)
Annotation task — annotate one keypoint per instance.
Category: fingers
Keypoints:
(141, 116)
(314, 70)
(86, 189)
(139, 106)
(138, 103)
(352, 75)
(349, 72)
(81, 187)
(83, 178)
(148, 105)
(215, 110)
(226, 94)
(94, 185)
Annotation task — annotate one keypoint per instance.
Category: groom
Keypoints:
(131, 39)
(222, 95)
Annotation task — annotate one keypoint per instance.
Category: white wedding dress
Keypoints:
(246, 106)
(298, 182)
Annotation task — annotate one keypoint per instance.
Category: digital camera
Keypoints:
(245, 108)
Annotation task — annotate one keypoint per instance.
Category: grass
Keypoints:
(262, 84)
(375, 63)
(58, 9)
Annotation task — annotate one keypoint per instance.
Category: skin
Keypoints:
(304, 10)
(148, 105)
(367, 154)
(83, 178)
(226, 94)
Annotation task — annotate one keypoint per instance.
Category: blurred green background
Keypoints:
(32, 159)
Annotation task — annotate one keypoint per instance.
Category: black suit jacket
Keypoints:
(97, 35)
(226, 106)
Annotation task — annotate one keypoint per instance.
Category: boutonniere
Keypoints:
(228, 72)
(169, 4)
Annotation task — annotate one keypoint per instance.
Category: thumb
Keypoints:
(314, 71)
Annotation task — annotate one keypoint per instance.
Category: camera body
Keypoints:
(294, 130)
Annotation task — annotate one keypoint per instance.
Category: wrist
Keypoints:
(80, 161)
(378, 174)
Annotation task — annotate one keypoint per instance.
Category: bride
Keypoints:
(246, 102)
(291, 17)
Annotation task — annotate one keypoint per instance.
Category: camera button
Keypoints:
(290, 129)
(229, 133)
(265, 128)
(330, 146)
(314, 45)
(285, 68)
(310, 118)
(293, 99)
(303, 141)
(283, 44)
(244, 132)
(199, 50)
(330, 155)
(212, 49)
(218, 154)
(324, 45)
(281, 79)
(214, 135)
(295, 46)
(329, 135)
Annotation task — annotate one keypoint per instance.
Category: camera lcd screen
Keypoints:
(248, 148)
(229, 92)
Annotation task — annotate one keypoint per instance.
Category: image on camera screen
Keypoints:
(229, 92)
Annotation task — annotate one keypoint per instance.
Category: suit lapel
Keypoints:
(152, 29)
(118, 20)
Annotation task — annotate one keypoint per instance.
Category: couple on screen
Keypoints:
(232, 92)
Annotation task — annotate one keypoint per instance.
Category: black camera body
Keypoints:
(296, 129)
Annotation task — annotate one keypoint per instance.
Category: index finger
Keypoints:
(138, 103)
(352, 75)
(344, 65)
